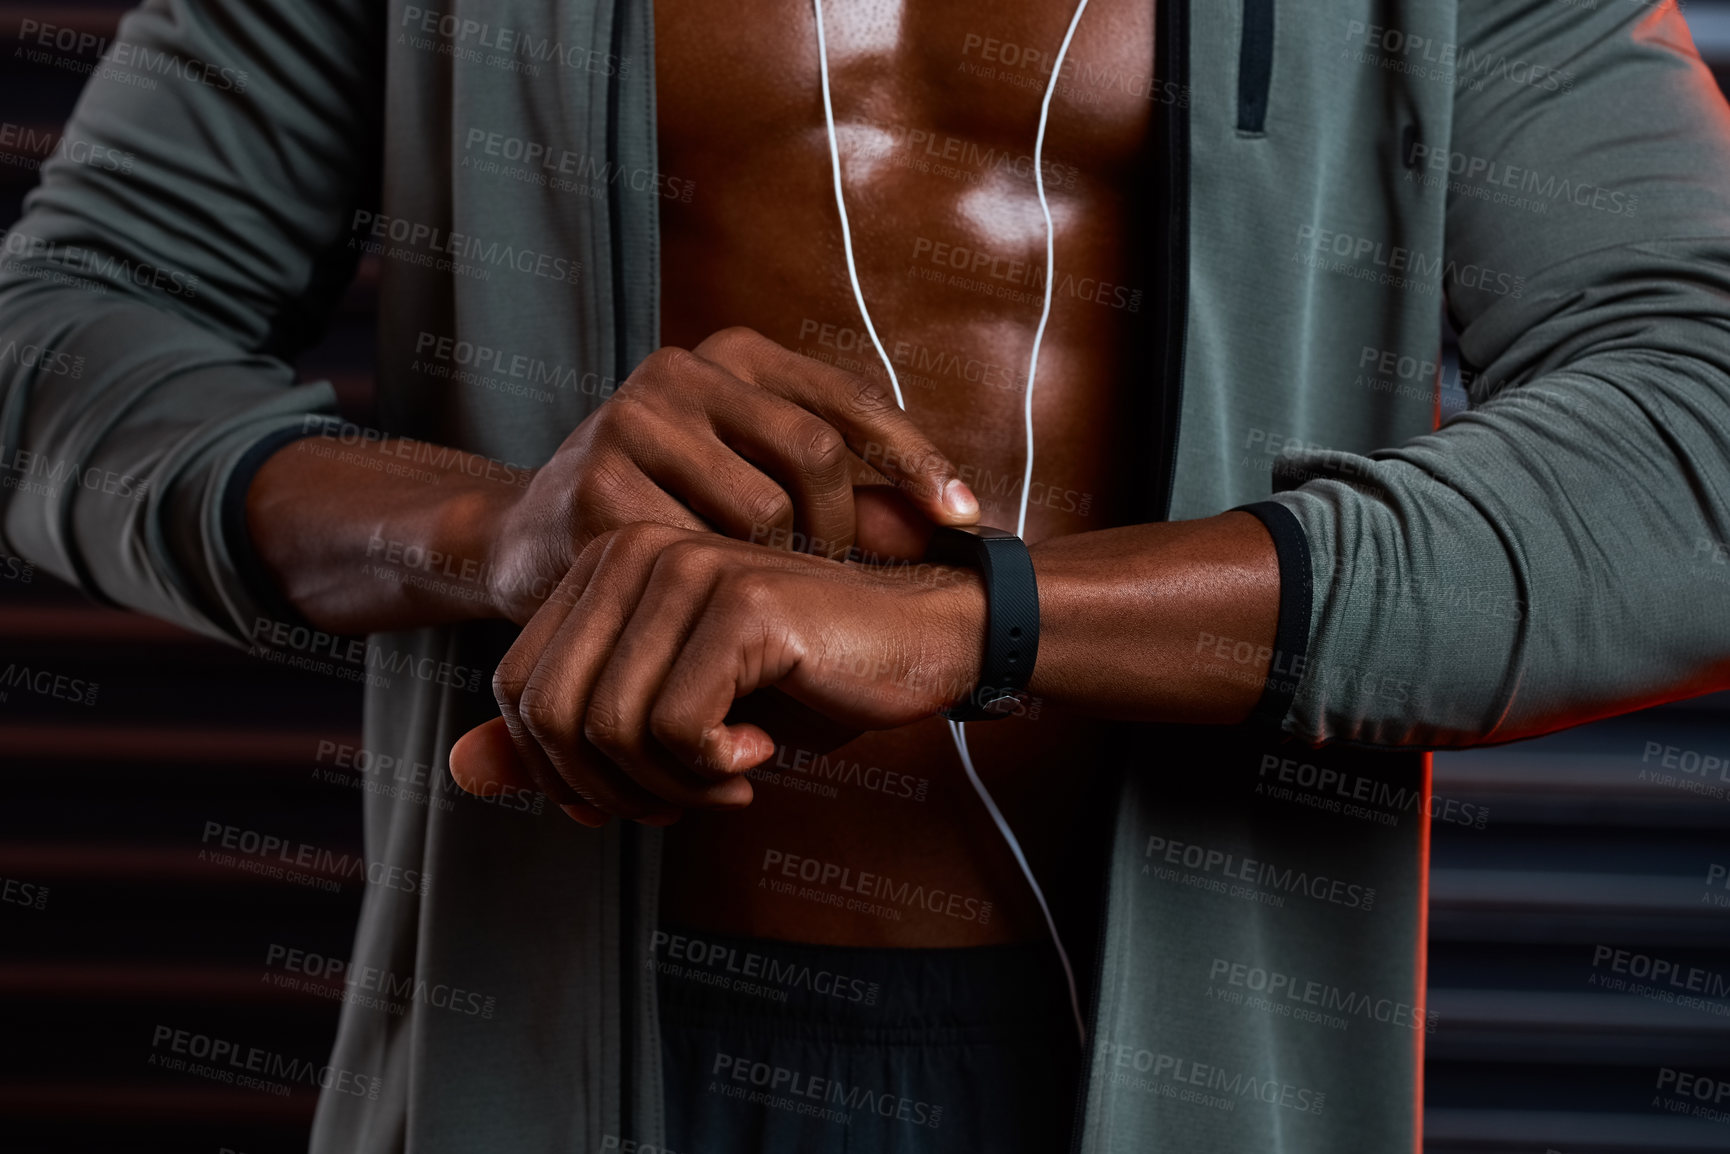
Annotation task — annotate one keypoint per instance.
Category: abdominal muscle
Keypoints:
(883, 842)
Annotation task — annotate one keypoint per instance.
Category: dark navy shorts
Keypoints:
(781, 1048)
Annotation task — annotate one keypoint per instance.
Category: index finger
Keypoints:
(862, 411)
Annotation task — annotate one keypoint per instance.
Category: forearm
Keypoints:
(1133, 620)
(358, 544)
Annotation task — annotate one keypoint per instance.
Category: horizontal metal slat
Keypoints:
(1534, 1131)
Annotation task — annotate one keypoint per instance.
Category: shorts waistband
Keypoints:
(974, 992)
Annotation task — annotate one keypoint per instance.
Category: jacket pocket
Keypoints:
(1254, 66)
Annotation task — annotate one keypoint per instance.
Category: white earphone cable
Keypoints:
(1050, 262)
(841, 205)
(956, 730)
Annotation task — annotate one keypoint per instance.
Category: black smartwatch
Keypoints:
(1011, 617)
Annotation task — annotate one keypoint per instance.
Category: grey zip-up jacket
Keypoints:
(1335, 175)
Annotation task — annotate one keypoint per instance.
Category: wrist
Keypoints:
(952, 632)
(469, 525)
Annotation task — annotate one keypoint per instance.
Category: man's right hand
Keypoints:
(738, 435)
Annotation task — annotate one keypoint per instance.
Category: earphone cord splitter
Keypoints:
(956, 729)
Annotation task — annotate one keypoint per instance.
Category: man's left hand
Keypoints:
(616, 696)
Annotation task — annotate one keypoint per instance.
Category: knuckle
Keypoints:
(597, 547)
(666, 361)
(591, 499)
(751, 590)
(767, 505)
(731, 341)
(665, 371)
(625, 423)
(604, 727)
(825, 447)
(639, 538)
(866, 398)
(678, 363)
(687, 560)
(541, 715)
(509, 681)
(922, 467)
(668, 728)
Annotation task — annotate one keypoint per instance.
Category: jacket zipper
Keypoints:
(1254, 66)
(629, 1123)
(1172, 246)
(629, 906)
(1078, 1113)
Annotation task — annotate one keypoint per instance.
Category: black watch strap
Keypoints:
(1011, 617)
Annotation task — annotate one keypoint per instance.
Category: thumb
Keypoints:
(484, 762)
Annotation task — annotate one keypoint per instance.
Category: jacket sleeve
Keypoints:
(1558, 552)
(157, 286)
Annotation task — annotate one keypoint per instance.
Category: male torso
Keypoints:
(936, 110)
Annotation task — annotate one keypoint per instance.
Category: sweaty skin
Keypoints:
(643, 623)
(936, 108)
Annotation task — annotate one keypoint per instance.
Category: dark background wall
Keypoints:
(1588, 875)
